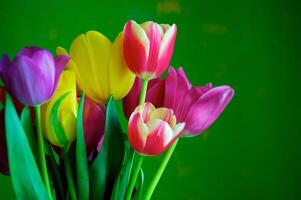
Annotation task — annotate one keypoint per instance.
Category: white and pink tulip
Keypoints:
(148, 47)
(152, 130)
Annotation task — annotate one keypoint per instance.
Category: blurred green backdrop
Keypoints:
(253, 149)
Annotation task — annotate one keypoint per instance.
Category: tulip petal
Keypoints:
(182, 92)
(137, 132)
(166, 49)
(161, 113)
(155, 92)
(120, 76)
(154, 33)
(60, 63)
(4, 63)
(170, 92)
(31, 91)
(131, 101)
(160, 135)
(94, 124)
(136, 47)
(90, 52)
(206, 109)
(146, 110)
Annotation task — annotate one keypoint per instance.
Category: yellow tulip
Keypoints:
(99, 66)
(67, 111)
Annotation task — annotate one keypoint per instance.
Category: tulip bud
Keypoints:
(148, 47)
(33, 75)
(152, 130)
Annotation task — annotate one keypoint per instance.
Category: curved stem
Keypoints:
(135, 176)
(43, 166)
(159, 172)
(143, 91)
(71, 186)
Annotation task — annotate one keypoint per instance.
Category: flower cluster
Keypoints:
(59, 111)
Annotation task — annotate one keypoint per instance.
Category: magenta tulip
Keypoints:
(198, 107)
(152, 130)
(33, 75)
(148, 47)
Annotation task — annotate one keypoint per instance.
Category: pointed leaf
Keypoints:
(27, 180)
(106, 167)
(81, 155)
(121, 184)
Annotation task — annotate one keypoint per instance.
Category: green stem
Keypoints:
(159, 172)
(69, 175)
(143, 91)
(136, 155)
(135, 176)
(42, 150)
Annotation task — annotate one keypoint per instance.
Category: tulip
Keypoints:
(94, 125)
(33, 75)
(197, 106)
(67, 111)
(99, 66)
(152, 130)
(148, 47)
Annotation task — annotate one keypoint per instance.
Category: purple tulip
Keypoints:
(33, 75)
(198, 107)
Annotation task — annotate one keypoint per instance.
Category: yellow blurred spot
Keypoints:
(215, 29)
(169, 7)
(205, 135)
(183, 171)
(52, 34)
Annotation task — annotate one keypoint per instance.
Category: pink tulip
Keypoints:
(198, 107)
(148, 47)
(152, 130)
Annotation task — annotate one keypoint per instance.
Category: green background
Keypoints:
(253, 150)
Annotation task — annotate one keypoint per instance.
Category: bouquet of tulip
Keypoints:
(61, 136)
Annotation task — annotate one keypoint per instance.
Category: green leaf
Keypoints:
(106, 167)
(81, 155)
(27, 126)
(57, 126)
(122, 119)
(139, 186)
(25, 175)
(121, 184)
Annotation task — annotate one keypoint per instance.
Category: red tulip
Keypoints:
(94, 125)
(152, 130)
(148, 47)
